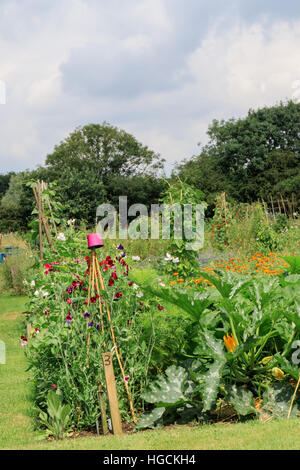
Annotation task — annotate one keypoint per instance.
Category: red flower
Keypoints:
(118, 295)
(48, 268)
(68, 318)
(111, 282)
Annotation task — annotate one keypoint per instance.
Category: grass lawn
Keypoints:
(16, 431)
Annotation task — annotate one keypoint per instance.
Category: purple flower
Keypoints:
(91, 323)
(97, 326)
(86, 315)
(120, 247)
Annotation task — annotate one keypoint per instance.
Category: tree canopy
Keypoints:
(252, 157)
(98, 163)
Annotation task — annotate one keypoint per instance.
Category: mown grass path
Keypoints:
(16, 431)
(15, 422)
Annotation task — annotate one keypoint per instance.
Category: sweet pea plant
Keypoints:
(58, 351)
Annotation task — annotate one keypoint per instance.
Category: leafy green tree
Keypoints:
(97, 163)
(203, 172)
(244, 148)
(4, 183)
(252, 157)
(17, 203)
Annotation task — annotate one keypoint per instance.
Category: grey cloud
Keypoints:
(94, 71)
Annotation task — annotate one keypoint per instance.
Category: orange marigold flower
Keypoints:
(175, 274)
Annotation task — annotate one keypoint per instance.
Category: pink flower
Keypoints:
(127, 378)
(54, 386)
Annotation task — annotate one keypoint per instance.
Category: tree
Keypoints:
(17, 203)
(4, 183)
(97, 163)
(251, 157)
(203, 173)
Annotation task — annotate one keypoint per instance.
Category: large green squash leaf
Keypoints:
(168, 389)
(277, 401)
(241, 399)
(150, 420)
(210, 380)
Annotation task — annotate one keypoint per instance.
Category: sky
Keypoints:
(161, 70)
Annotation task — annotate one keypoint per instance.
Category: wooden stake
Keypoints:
(279, 207)
(293, 399)
(112, 393)
(43, 221)
(283, 205)
(28, 329)
(40, 220)
(273, 207)
(293, 205)
(265, 210)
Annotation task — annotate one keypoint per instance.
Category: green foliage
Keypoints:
(277, 401)
(16, 204)
(263, 316)
(294, 262)
(57, 354)
(183, 248)
(250, 158)
(14, 271)
(98, 163)
(241, 399)
(173, 395)
(281, 223)
(4, 183)
(57, 418)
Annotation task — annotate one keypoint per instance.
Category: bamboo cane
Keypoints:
(40, 221)
(293, 399)
(43, 221)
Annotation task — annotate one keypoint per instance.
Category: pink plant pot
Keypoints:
(94, 241)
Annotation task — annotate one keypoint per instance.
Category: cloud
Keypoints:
(155, 68)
